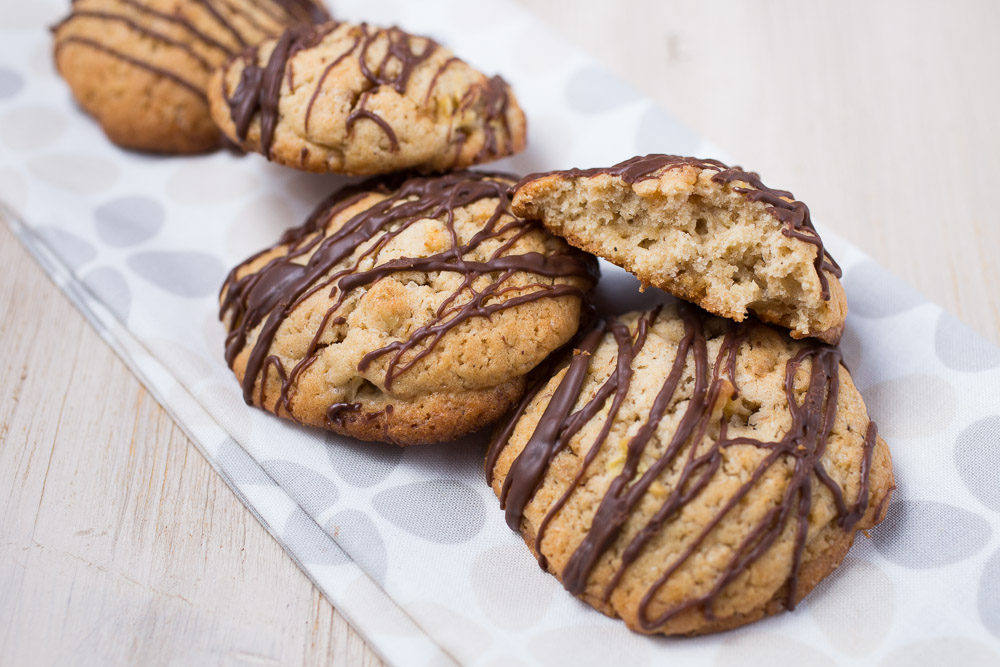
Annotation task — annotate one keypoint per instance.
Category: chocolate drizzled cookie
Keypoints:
(358, 99)
(140, 67)
(407, 313)
(690, 474)
(705, 232)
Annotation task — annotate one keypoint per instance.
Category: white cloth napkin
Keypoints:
(411, 545)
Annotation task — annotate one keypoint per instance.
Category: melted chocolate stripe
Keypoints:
(619, 384)
(270, 89)
(620, 499)
(361, 112)
(167, 74)
(259, 88)
(322, 79)
(529, 466)
(474, 308)
(399, 50)
(133, 25)
(180, 20)
(706, 463)
(227, 25)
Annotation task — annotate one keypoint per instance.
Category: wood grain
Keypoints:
(120, 545)
(880, 115)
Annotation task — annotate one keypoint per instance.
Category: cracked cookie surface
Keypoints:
(689, 474)
(140, 67)
(711, 234)
(407, 313)
(357, 99)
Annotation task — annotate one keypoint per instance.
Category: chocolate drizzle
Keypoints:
(253, 96)
(698, 455)
(793, 215)
(399, 50)
(399, 56)
(496, 103)
(165, 73)
(394, 69)
(315, 261)
(304, 11)
(198, 45)
(259, 89)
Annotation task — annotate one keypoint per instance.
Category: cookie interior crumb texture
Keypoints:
(407, 314)
(689, 474)
(702, 231)
(358, 99)
(140, 67)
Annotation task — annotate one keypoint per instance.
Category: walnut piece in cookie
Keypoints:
(705, 232)
(140, 67)
(689, 474)
(408, 313)
(356, 99)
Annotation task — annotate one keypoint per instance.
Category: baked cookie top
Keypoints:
(140, 67)
(705, 232)
(357, 99)
(690, 474)
(408, 314)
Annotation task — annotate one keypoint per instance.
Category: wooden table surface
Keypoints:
(120, 545)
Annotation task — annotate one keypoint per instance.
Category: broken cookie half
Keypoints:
(705, 232)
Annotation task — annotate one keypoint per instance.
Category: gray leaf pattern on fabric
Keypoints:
(589, 645)
(872, 612)
(308, 541)
(359, 537)
(239, 466)
(977, 452)
(110, 287)
(71, 249)
(962, 349)
(442, 510)
(511, 592)
(892, 297)
(989, 595)
(930, 406)
(767, 649)
(361, 464)
(186, 274)
(11, 83)
(943, 651)
(312, 491)
(923, 534)
(129, 221)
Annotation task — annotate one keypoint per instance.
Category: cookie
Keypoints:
(689, 474)
(705, 232)
(356, 99)
(406, 314)
(140, 67)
